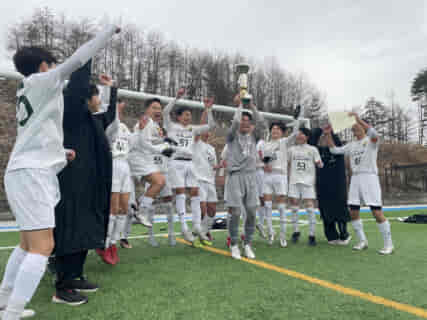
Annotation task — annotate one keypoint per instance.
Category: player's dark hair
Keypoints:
(280, 125)
(27, 60)
(149, 102)
(119, 100)
(181, 110)
(92, 91)
(247, 114)
(306, 132)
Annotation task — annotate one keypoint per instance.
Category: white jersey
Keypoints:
(303, 159)
(204, 160)
(122, 142)
(40, 111)
(184, 136)
(147, 144)
(260, 150)
(278, 151)
(362, 153)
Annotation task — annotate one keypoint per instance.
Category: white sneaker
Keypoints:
(261, 231)
(27, 313)
(344, 242)
(235, 252)
(361, 246)
(188, 236)
(248, 252)
(386, 250)
(143, 219)
(333, 242)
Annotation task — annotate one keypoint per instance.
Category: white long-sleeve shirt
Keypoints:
(40, 111)
(204, 160)
(184, 136)
(362, 153)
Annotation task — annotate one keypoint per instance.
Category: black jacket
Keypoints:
(83, 212)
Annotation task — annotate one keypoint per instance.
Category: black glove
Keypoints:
(168, 152)
(297, 112)
(170, 141)
(267, 159)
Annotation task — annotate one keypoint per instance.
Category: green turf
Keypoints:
(188, 283)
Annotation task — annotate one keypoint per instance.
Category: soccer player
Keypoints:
(276, 176)
(303, 158)
(121, 188)
(241, 182)
(181, 169)
(146, 161)
(260, 187)
(364, 185)
(205, 164)
(31, 182)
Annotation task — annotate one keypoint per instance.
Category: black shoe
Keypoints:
(312, 241)
(295, 237)
(69, 296)
(81, 285)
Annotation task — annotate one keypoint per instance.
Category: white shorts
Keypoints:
(181, 174)
(122, 181)
(32, 195)
(207, 192)
(275, 183)
(142, 166)
(365, 189)
(301, 191)
(260, 181)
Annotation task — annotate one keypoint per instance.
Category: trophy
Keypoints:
(243, 69)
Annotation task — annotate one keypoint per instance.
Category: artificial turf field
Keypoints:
(187, 283)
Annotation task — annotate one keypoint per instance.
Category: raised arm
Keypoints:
(260, 124)
(235, 124)
(370, 131)
(211, 121)
(86, 52)
(167, 121)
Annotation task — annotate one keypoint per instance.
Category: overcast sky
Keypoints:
(350, 49)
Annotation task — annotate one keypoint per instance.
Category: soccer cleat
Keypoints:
(153, 242)
(235, 252)
(81, 284)
(197, 244)
(27, 313)
(69, 297)
(203, 237)
(114, 254)
(344, 242)
(108, 256)
(248, 252)
(386, 250)
(143, 219)
(124, 243)
(261, 231)
(206, 243)
(283, 242)
(295, 237)
(228, 242)
(361, 246)
(188, 236)
(312, 241)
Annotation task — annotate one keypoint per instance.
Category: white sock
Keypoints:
(196, 214)
(210, 221)
(120, 226)
(110, 230)
(386, 233)
(269, 216)
(243, 218)
(261, 216)
(171, 217)
(358, 228)
(311, 220)
(27, 280)
(147, 202)
(282, 210)
(151, 230)
(181, 210)
(205, 224)
(128, 226)
(295, 217)
(15, 260)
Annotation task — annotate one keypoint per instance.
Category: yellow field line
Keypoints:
(336, 287)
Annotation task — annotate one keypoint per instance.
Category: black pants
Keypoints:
(331, 232)
(69, 267)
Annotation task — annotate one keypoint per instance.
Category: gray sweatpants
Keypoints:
(242, 192)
